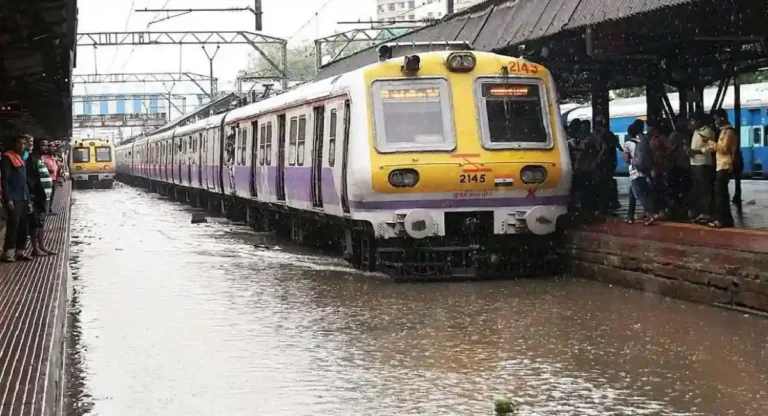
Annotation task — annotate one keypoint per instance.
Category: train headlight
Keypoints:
(533, 175)
(78, 168)
(461, 62)
(105, 167)
(403, 178)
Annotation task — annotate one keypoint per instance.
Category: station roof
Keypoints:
(37, 40)
(495, 24)
(626, 37)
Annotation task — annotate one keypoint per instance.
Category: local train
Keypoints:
(92, 163)
(434, 163)
(754, 122)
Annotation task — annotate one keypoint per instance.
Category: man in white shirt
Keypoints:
(640, 185)
(702, 169)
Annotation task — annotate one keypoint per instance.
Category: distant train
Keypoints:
(754, 121)
(438, 163)
(92, 163)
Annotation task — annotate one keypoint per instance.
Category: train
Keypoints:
(754, 122)
(92, 163)
(427, 163)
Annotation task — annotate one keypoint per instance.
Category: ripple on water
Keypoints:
(170, 318)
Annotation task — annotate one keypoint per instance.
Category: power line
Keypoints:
(146, 28)
(127, 20)
(308, 22)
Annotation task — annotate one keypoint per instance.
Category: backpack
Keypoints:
(642, 157)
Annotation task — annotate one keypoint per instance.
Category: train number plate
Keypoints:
(472, 178)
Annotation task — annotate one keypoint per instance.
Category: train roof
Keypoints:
(752, 96)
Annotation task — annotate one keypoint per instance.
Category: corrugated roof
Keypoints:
(511, 22)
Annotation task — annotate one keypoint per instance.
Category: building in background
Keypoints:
(405, 10)
(117, 118)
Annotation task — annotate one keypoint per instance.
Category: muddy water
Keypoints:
(171, 318)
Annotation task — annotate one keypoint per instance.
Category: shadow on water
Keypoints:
(177, 319)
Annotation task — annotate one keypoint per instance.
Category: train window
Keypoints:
(756, 139)
(81, 154)
(765, 136)
(243, 146)
(292, 141)
(300, 143)
(512, 115)
(268, 146)
(412, 115)
(262, 143)
(332, 139)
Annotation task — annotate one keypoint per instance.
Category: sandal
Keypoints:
(714, 224)
(5, 259)
(630, 222)
(651, 221)
(23, 257)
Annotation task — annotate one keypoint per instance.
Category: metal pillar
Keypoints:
(600, 96)
(210, 62)
(737, 127)
(654, 90)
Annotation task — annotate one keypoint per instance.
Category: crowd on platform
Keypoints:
(676, 172)
(30, 172)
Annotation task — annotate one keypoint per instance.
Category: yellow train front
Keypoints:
(468, 167)
(92, 163)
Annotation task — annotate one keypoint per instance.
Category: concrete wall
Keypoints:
(723, 267)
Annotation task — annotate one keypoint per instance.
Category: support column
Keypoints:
(600, 96)
(654, 89)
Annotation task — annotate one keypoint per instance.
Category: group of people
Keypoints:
(681, 171)
(30, 171)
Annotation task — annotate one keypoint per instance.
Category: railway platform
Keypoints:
(33, 298)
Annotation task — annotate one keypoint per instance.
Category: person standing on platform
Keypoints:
(40, 191)
(702, 170)
(725, 147)
(15, 197)
(608, 144)
(53, 168)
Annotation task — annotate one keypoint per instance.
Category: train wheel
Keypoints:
(364, 249)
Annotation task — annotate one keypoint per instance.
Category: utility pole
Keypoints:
(210, 62)
(449, 6)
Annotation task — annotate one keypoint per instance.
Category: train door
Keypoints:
(317, 157)
(204, 161)
(281, 157)
(179, 160)
(345, 159)
(254, 157)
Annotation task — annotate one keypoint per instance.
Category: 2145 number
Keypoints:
(472, 178)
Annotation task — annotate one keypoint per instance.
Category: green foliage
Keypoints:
(301, 59)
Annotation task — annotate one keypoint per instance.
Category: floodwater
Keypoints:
(174, 319)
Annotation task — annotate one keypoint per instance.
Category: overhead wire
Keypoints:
(125, 28)
(311, 19)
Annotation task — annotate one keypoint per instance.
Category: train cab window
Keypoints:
(81, 154)
(332, 138)
(103, 154)
(300, 143)
(292, 141)
(262, 143)
(512, 115)
(756, 136)
(268, 146)
(413, 115)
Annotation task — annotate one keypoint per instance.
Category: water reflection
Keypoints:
(181, 319)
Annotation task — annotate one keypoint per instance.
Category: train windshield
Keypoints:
(81, 155)
(513, 115)
(103, 154)
(413, 115)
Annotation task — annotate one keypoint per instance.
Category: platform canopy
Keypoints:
(628, 39)
(37, 54)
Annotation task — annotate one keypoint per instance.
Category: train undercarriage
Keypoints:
(466, 252)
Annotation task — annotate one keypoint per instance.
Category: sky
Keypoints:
(295, 20)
